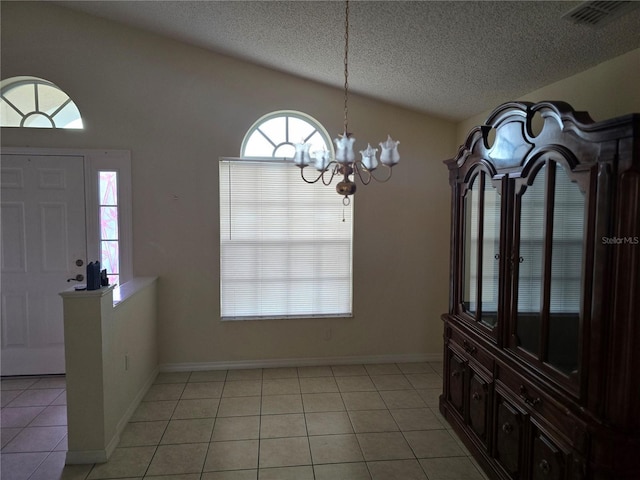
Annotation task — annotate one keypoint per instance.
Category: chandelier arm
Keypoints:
(385, 178)
(311, 181)
(333, 173)
(359, 169)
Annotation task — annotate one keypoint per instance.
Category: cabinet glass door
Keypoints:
(549, 268)
(566, 273)
(471, 222)
(481, 250)
(490, 254)
(530, 263)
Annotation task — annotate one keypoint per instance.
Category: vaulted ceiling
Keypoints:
(452, 59)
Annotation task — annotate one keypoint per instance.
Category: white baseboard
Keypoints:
(300, 362)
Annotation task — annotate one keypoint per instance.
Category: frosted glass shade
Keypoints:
(301, 157)
(369, 157)
(323, 158)
(389, 154)
(344, 149)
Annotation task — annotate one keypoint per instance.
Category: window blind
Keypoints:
(285, 245)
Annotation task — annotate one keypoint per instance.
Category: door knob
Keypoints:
(78, 278)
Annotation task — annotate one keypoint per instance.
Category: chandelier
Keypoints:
(345, 164)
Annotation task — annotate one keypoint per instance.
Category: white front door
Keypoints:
(43, 244)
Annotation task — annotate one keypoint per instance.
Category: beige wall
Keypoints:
(608, 90)
(178, 108)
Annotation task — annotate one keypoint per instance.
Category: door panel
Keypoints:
(14, 255)
(43, 234)
(456, 382)
(508, 438)
(548, 461)
(478, 406)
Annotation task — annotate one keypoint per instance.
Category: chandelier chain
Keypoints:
(346, 65)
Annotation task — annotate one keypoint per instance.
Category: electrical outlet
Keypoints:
(327, 334)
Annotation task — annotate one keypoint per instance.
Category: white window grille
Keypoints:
(33, 102)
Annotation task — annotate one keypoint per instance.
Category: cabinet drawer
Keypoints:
(544, 406)
(471, 349)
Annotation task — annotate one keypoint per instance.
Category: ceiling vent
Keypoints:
(598, 13)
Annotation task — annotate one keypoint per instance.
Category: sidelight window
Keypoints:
(109, 225)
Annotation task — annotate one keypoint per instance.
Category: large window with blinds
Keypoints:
(285, 245)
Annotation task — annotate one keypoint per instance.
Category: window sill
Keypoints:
(285, 317)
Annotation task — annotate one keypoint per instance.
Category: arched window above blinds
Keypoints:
(275, 134)
(33, 102)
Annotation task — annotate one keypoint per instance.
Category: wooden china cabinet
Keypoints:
(542, 338)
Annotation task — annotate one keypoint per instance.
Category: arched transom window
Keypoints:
(274, 135)
(33, 102)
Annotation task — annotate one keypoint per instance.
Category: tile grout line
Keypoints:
(155, 451)
(370, 374)
(26, 426)
(260, 425)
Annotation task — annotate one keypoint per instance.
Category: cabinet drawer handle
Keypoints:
(507, 428)
(527, 399)
(476, 396)
(455, 373)
(545, 467)
(469, 348)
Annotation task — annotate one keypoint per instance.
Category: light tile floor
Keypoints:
(350, 422)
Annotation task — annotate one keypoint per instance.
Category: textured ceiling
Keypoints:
(452, 59)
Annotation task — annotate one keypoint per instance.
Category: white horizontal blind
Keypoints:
(285, 245)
